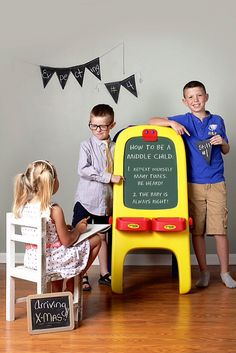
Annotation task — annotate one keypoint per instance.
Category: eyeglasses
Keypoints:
(101, 127)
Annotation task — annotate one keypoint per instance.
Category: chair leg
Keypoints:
(10, 299)
(78, 298)
(80, 301)
(42, 286)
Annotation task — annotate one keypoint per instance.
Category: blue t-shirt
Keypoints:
(199, 170)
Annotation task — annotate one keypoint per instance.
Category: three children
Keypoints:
(93, 198)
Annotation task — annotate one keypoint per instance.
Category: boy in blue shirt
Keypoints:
(206, 182)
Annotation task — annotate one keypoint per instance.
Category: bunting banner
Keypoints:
(47, 73)
(78, 72)
(63, 73)
(128, 83)
(94, 67)
(114, 90)
(205, 149)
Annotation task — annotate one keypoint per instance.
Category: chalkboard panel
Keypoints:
(150, 171)
(50, 312)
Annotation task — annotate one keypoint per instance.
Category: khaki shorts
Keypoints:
(208, 209)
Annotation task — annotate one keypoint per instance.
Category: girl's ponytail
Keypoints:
(20, 194)
(44, 186)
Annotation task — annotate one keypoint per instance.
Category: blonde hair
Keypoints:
(37, 181)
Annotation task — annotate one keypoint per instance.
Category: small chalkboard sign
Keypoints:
(205, 149)
(50, 312)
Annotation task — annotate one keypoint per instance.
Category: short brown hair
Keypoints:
(193, 84)
(103, 110)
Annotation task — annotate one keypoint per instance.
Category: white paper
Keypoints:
(92, 229)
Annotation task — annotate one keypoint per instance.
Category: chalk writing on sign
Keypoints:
(50, 312)
(150, 170)
(205, 149)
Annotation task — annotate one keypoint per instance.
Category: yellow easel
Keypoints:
(150, 208)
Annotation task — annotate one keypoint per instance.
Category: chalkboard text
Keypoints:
(150, 171)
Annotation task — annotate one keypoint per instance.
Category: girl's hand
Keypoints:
(82, 225)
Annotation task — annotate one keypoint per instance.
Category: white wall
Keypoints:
(166, 44)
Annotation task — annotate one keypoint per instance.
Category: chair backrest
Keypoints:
(27, 230)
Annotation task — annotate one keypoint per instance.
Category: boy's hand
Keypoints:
(217, 140)
(179, 128)
(117, 179)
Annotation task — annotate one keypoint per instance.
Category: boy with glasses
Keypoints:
(93, 196)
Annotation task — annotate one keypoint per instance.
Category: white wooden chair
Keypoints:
(37, 226)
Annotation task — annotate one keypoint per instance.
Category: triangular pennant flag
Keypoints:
(47, 73)
(129, 84)
(94, 67)
(78, 72)
(63, 74)
(205, 148)
(114, 90)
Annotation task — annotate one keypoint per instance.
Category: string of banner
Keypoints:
(94, 67)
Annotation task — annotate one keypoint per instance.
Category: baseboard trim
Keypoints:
(145, 259)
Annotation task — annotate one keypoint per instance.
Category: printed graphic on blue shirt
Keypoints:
(212, 129)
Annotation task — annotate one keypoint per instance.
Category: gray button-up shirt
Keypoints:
(94, 190)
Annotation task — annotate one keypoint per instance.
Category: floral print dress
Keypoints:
(61, 261)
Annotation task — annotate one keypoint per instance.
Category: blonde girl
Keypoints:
(33, 191)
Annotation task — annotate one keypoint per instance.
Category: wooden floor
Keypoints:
(151, 316)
